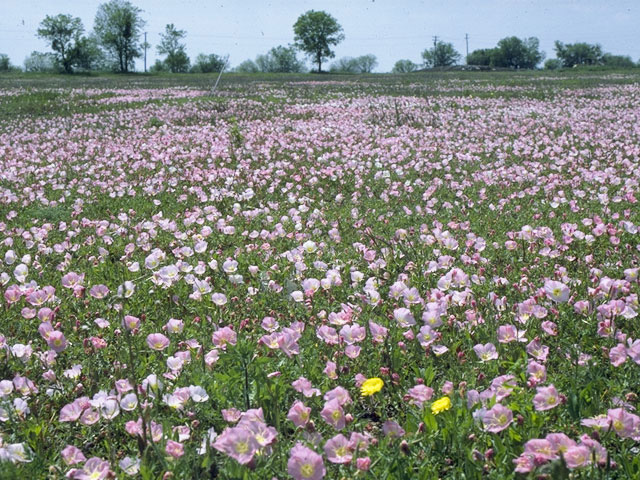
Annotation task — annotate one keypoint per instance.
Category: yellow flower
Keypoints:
(440, 405)
(371, 386)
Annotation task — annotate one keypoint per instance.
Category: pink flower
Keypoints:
(299, 414)
(303, 386)
(231, 415)
(537, 350)
(509, 333)
(174, 449)
(625, 424)
(524, 463)
(72, 411)
(541, 449)
(537, 372)
(486, 352)
(618, 355)
(597, 450)
(363, 463)
(72, 455)
(157, 341)
(174, 325)
(577, 456)
(56, 341)
(546, 398)
(333, 414)
(72, 279)
(99, 291)
(94, 469)
(330, 370)
(391, 428)
(305, 464)
(560, 442)
(264, 434)
(224, 336)
(328, 335)
(427, 336)
(557, 291)
(351, 334)
(549, 327)
(129, 322)
(497, 418)
(420, 394)
(337, 449)
(238, 443)
(340, 394)
(599, 422)
(404, 317)
(378, 332)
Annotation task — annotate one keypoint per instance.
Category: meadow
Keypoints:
(421, 276)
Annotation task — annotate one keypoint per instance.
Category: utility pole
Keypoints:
(145, 52)
(466, 39)
(435, 41)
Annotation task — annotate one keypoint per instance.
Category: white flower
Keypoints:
(198, 394)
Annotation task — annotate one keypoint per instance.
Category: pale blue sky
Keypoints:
(389, 29)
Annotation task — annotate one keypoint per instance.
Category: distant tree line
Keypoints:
(115, 43)
(512, 52)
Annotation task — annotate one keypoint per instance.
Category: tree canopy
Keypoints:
(511, 52)
(442, 54)
(362, 64)
(315, 33)
(280, 59)
(118, 26)
(573, 54)
(404, 66)
(177, 60)
(39, 62)
(208, 63)
(64, 33)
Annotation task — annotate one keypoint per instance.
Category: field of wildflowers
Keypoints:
(400, 279)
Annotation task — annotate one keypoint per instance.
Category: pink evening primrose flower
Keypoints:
(557, 291)
(486, 352)
(157, 341)
(497, 418)
(305, 464)
(546, 398)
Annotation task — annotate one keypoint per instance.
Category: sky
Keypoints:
(389, 29)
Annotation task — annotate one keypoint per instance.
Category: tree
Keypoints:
(5, 63)
(344, 65)
(208, 63)
(513, 52)
(576, 54)
(88, 54)
(366, 63)
(64, 33)
(117, 27)
(248, 66)
(280, 59)
(177, 60)
(159, 67)
(552, 64)
(362, 64)
(315, 32)
(618, 61)
(483, 57)
(404, 66)
(442, 54)
(39, 62)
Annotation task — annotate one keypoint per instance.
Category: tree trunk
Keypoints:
(319, 60)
